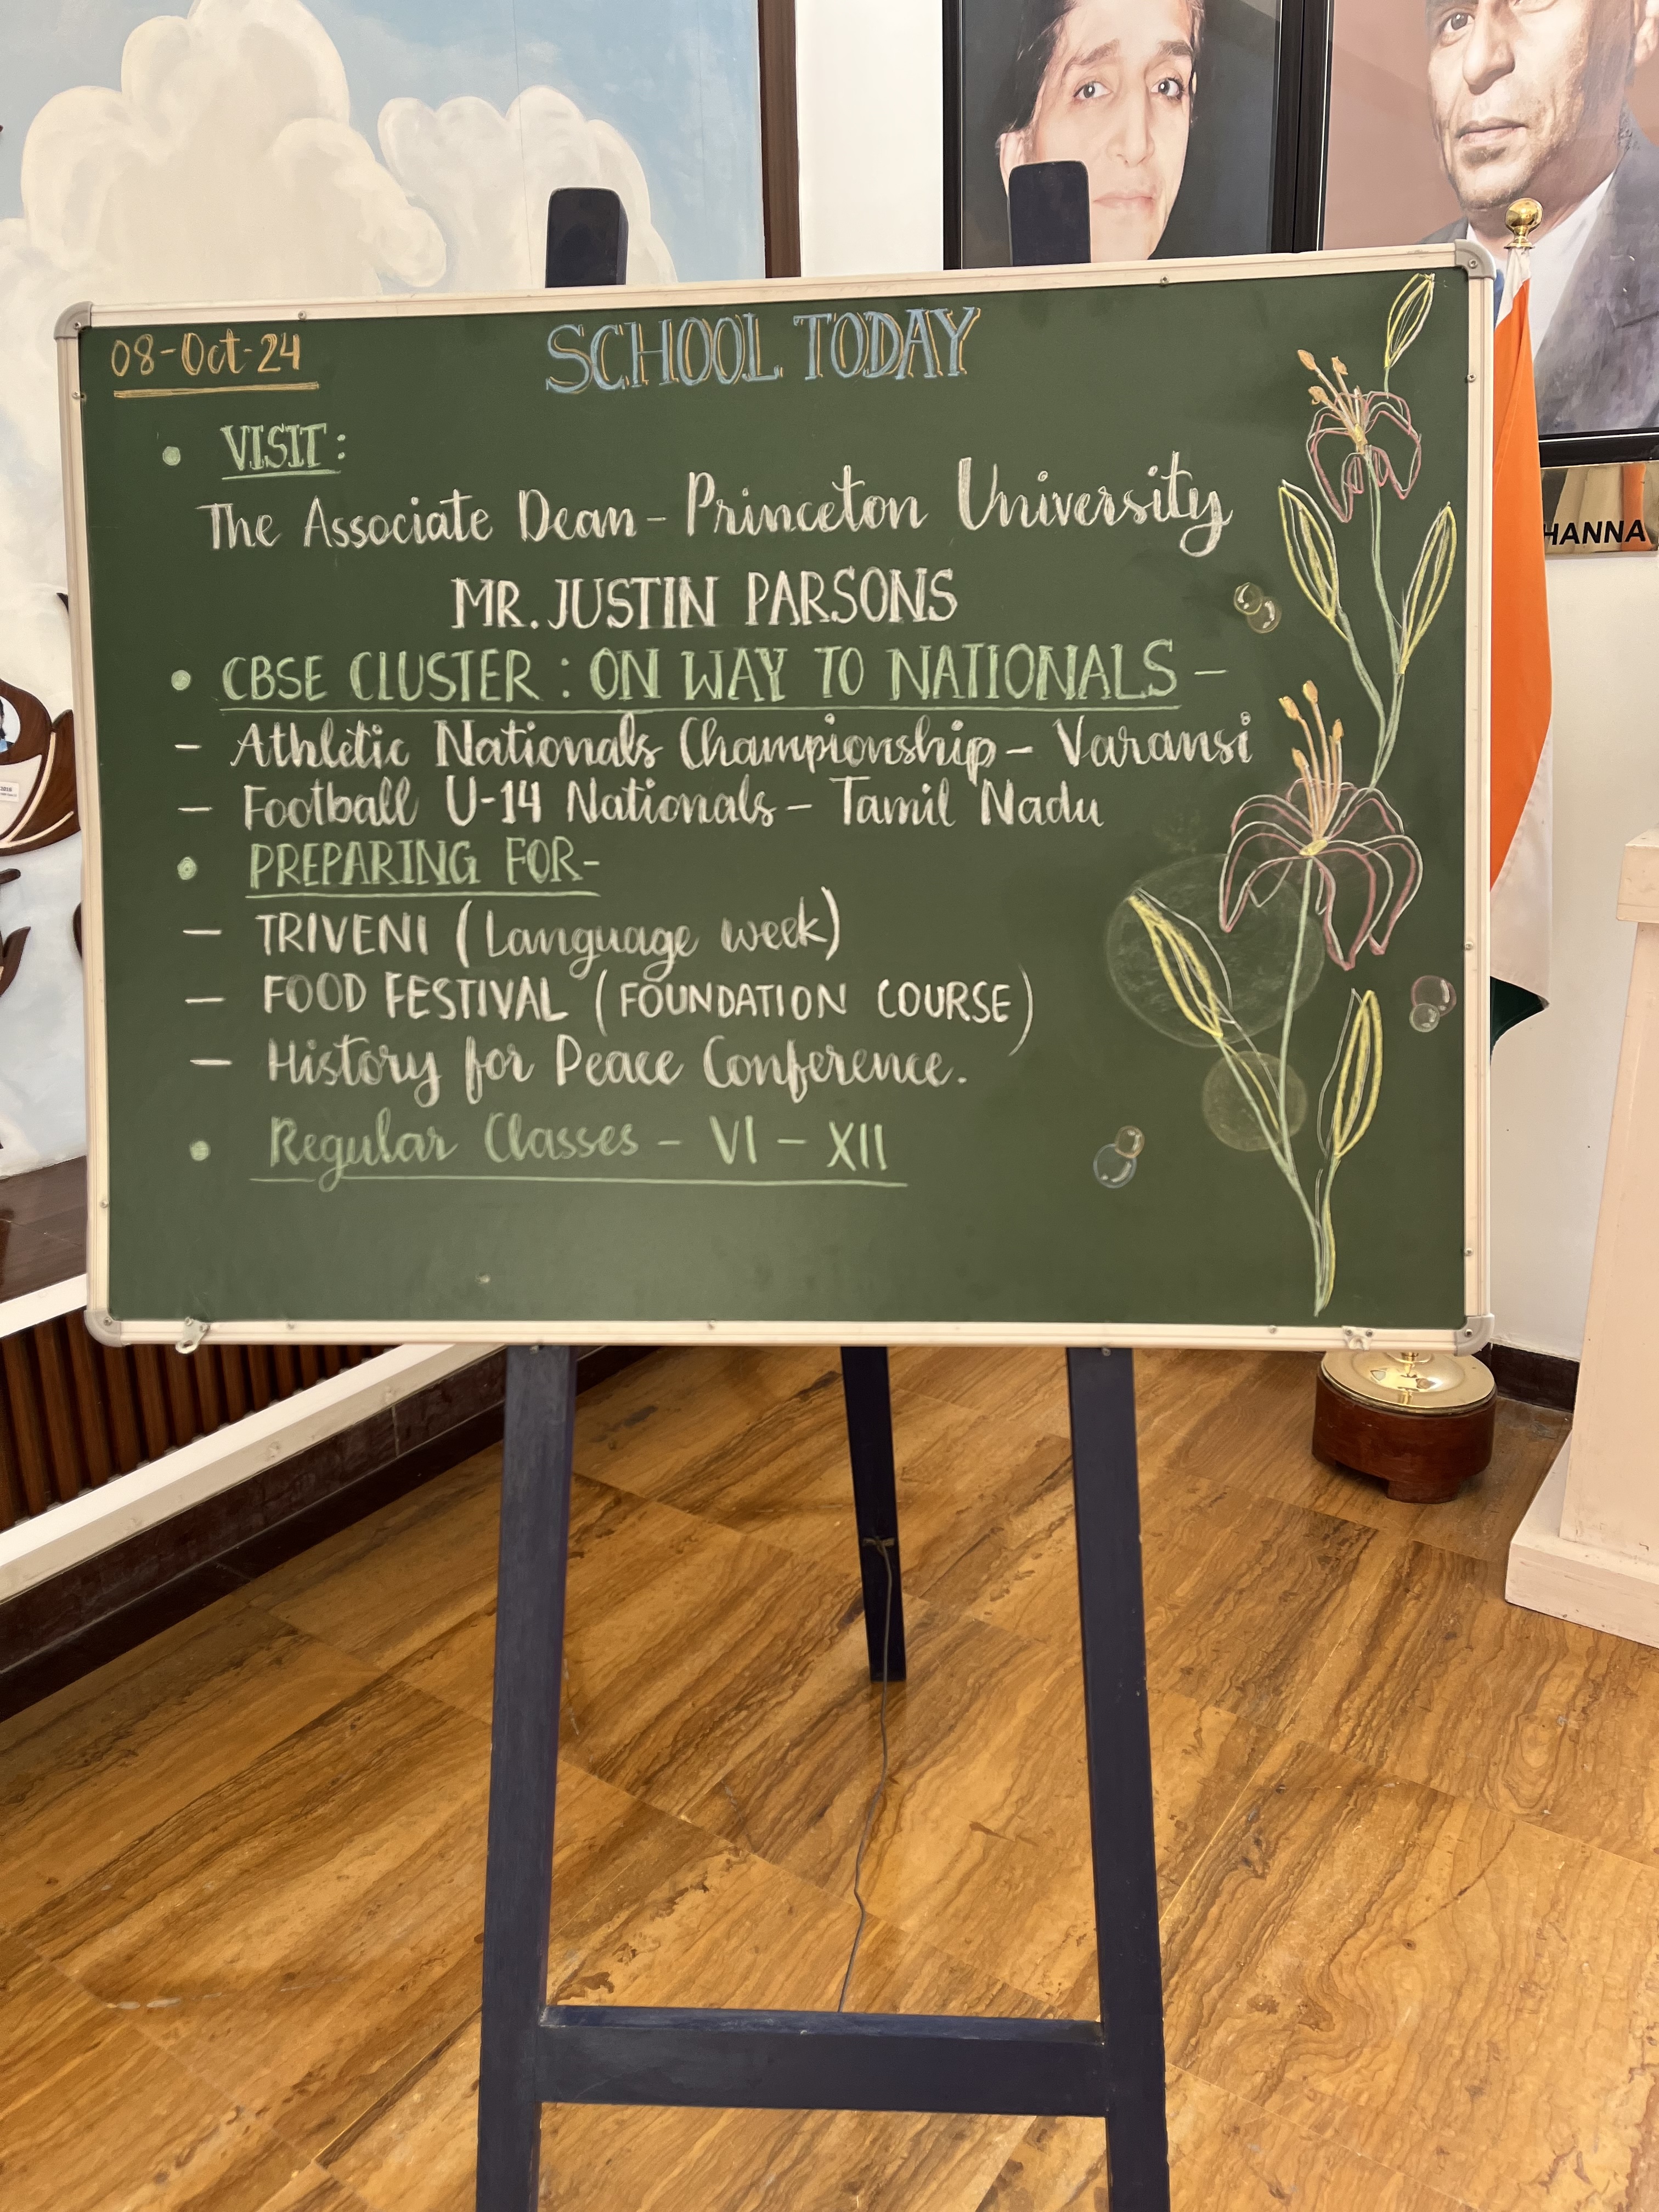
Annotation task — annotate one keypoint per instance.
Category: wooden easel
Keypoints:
(533, 2053)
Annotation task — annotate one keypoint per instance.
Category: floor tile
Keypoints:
(650, 1910)
(300, 1934)
(85, 1774)
(1407, 1837)
(694, 1397)
(985, 1528)
(1226, 2156)
(1246, 1597)
(980, 1847)
(1482, 1518)
(1203, 1761)
(682, 1636)
(1426, 1982)
(311, 2190)
(94, 2117)
(1244, 1420)
(1023, 1388)
(389, 1585)
(1448, 1684)
(789, 1479)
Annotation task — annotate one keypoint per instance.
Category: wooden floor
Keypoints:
(1409, 1836)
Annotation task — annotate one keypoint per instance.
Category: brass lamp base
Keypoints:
(1422, 1422)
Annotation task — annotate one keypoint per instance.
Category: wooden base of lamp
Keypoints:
(1421, 1422)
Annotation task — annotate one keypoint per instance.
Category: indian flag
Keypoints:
(1520, 766)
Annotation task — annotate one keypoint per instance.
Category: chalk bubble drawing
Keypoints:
(1432, 999)
(1114, 1164)
(1227, 1111)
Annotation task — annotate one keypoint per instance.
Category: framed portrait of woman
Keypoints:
(1172, 105)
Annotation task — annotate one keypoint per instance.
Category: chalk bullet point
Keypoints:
(181, 679)
(187, 869)
(171, 456)
(200, 1149)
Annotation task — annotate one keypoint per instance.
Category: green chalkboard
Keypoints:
(950, 806)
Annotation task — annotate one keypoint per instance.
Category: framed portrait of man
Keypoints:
(1169, 105)
(1443, 114)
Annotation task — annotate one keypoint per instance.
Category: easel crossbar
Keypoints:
(821, 2062)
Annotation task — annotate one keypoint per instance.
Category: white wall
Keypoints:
(868, 79)
(871, 118)
(1553, 1077)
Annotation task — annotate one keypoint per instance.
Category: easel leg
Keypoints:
(875, 1499)
(1105, 1478)
(541, 1402)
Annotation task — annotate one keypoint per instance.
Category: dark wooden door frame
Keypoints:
(780, 138)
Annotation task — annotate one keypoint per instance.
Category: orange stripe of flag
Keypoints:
(1520, 609)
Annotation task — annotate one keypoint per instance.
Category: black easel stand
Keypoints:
(533, 2053)
(875, 1503)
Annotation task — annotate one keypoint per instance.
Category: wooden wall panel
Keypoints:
(13, 1505)
(74, 1413)
(121, 1397)
(209, 1390)
(258, 1357)
(65, 1458)
(184, 1418)
(152, 1399)
(94, 1413)
(21, 1379)
(232, 1373)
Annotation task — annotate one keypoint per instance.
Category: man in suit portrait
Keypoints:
(1528, 101)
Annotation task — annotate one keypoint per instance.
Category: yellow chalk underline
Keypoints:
(190, 391)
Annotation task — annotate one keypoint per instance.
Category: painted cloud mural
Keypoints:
(232, 160)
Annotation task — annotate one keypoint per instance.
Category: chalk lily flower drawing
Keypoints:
(1338, 849)
(1375, 428)
(1350, 840)
(1378, 449)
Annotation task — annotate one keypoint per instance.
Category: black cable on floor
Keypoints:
(885, 1546)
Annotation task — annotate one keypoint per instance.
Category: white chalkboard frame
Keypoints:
(187, 1331)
